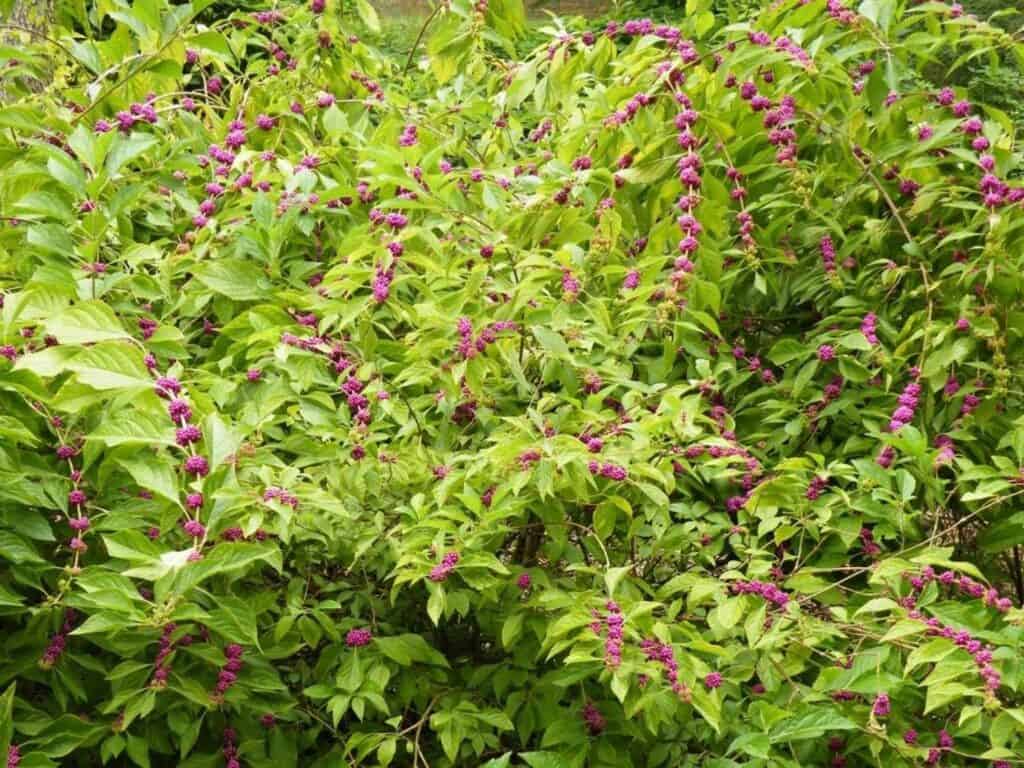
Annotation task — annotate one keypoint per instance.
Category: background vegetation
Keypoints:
(510, 391)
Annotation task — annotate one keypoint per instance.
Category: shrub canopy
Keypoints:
(653, 399)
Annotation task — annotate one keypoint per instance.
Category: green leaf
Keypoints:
(137, 428)
(409, 648)
(543, 760)
(234, 620)
(512, 629)
(709, 706)
(6, 718)
(785, 350)
(811, 724)
(943, 695)
(930, 652)
(155, 475)
(86, 323)
(499, 762)
(551, 341)
(234, 278)
(126, 149)
(111, 366)
(903, 628)
(236, 558)
(17, 550)
(368, 15)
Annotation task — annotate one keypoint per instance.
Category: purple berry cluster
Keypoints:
(570, 286)
(828, 254)
(868, 327)
(664, 654)
(881, 706)
(59, 641)
(357, 638)
(593, 719)
(409, 137)
(470, 346)
(766, 590)
(816, 487)
(162, 664)
(228, 674)
(689, 173)
(965, 585)
(229, 749)
(981, 654)
(78, 519)
(614, 621)
(442, 570)
(280, 495)
(908, 402)
(609, 470)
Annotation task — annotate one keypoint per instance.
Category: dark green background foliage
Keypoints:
(483, 388)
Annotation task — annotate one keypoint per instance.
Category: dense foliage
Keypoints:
(654, 399)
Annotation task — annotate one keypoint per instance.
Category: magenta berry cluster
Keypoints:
(442, 570)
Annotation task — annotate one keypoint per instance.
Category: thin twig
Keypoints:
(419, 37)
